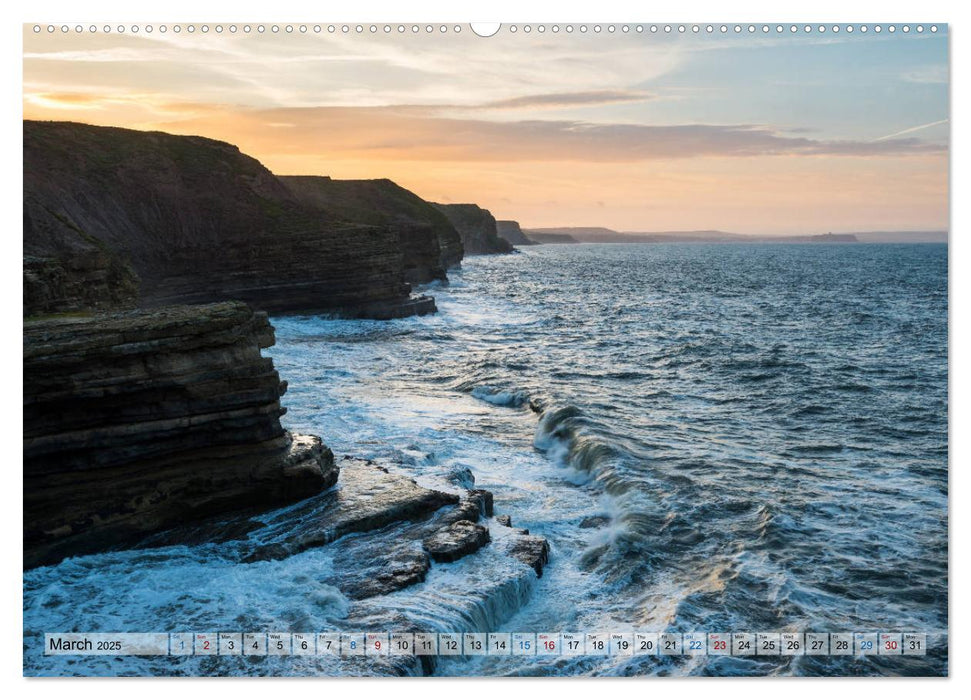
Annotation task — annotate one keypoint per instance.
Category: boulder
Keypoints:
(532, 550)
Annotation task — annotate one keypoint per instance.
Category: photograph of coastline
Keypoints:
(560, 335)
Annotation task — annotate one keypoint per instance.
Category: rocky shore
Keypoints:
(385, 535)
(151, 417)
(150, 428)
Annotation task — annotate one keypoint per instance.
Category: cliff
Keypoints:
(598, 234)
(477, 227)
(510, 231)
(429, 242)
(136, 421)
(115, 217)
(538, 237)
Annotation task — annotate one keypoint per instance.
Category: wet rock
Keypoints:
(382, 572)
(270, 552)
(461, 477)
(491, 588)
(485, 499)
(235, 528)
(470, 507)
(308, 467)
(367, 497)
(505, 520)
(532, 550)
(456, 541)
(594, 521)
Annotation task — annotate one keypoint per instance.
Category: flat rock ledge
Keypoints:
(457, 540)
(391, 530)
(368, 497)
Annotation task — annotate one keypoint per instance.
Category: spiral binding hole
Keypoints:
(511, 29)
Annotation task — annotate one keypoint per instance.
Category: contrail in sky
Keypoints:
(911, 130)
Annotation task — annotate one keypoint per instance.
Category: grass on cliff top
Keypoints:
(376, 202)
(107, 148)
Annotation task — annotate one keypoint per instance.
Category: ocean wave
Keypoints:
(500, 397)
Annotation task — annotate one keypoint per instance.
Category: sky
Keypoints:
(750, 133)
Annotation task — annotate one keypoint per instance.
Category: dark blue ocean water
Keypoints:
(734, 438)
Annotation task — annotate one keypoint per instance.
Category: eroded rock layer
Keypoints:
(135, 421)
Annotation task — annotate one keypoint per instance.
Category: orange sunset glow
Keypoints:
(762, 135)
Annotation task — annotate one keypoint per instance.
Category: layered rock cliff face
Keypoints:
(185, 219)
(429, 242)
(510, 231)
(136, 421)
(82, 278)
(477, 227)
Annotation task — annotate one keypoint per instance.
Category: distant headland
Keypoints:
(596, 234)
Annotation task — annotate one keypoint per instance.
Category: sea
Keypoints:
(712, 437)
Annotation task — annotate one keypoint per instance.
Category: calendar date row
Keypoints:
(374, 644)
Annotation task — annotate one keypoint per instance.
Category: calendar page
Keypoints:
(513, 349)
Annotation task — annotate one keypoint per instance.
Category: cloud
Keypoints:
(433, 133)
(71, 98)
(933, 74)
(65, 100)
(392, 134)
(570, 99)
(266, 70)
